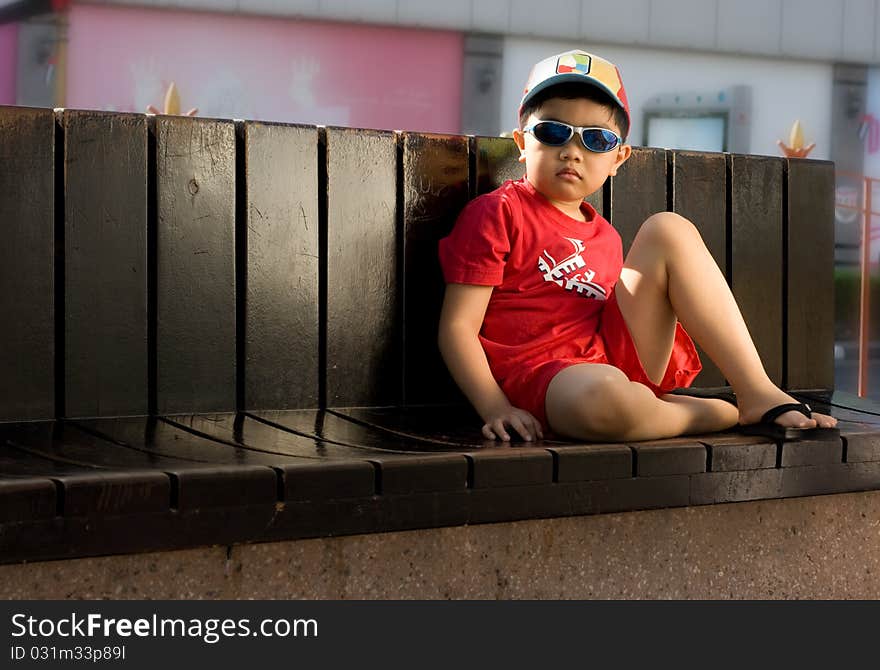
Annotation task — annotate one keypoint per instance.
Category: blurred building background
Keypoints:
(721, 75)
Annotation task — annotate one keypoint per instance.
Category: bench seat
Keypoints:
(221, 332)
(116, 485)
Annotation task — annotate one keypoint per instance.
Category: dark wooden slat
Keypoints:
(408, 510)
(17, 464)
(419, 474)
(337, 428)
(105, 256)
(861, 446)
(756, 250)
(67, 443)
(811, 452)
(497, 161)
(512, 466)
(504, 503)
(669, 457)
(364, 329)
(225, 486)
(511, 503)
(161, 438)
(99, 493)
(17, 461)
(203, 484)
(115, 493)
(319, 518)
(739, 452)
(150, 530)
(435, 189)
(617, 495)
(822, 479)
(27, 255)
(195, 484)
(302, 421)
(584, 463)
(281, 332)
(457, 426)
(637, 192)
(328, 481)
(27, 499)
(257, 437)
(195, 355)
(809, 350)
(700, 195)
(722, 487)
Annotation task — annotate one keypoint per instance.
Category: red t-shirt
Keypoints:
(552, 275)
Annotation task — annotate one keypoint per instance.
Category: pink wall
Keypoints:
(8, 62)
(260, 68)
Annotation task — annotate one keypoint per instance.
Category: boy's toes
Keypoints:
(824, 421)
(796, 420)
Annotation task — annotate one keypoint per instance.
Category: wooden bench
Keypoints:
(220, 332)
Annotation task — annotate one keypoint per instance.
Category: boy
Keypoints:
(544, 326)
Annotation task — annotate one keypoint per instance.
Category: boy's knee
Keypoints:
(605, 407)
(669, 226)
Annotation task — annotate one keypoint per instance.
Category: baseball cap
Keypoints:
(577, 66)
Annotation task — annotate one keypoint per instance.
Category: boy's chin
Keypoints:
(564, 192)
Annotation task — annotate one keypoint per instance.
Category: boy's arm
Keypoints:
(461, 318)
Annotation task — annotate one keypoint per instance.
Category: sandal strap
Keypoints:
(771, 414)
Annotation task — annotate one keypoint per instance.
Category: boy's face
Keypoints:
(566, 175)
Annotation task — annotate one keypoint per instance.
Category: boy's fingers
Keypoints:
(538, 431)
(520, 428)
(495, 431)
(532, 425)
(498, 427)
(527, 427)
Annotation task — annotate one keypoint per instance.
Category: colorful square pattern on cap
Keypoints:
(574, 63)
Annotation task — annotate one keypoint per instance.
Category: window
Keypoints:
(696, 132)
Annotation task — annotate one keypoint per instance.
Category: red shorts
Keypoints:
(613, 345)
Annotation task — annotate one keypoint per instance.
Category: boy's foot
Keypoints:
(753, 408)
(707, 415)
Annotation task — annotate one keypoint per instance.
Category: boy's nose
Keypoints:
(570, 151)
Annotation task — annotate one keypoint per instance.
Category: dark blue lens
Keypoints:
(599, 139)
(552, 133)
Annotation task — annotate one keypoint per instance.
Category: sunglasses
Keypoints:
(557, 134)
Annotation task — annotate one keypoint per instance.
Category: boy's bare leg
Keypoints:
(669, 273)
(598, 402)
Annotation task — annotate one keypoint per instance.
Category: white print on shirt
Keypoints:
(565, 273)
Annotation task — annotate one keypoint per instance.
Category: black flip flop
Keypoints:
(767, 426)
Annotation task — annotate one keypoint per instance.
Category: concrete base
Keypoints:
(825, 547)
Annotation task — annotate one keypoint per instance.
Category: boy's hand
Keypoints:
(525, 425)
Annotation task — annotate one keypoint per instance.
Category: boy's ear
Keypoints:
(520, 139)
(623, 154)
